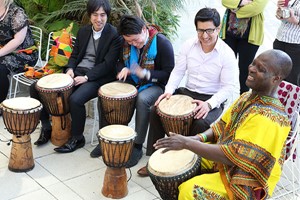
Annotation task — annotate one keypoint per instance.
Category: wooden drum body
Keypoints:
(21, 116)
(176, 114)
(55, 90)
(168, 170)
(118, 102)
(116, 143)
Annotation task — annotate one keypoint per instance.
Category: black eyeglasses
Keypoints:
(208, 31)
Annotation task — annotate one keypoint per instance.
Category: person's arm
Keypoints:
(229, 77)
(177, 142)
(14, 43)
(252, 9)
(180, 68)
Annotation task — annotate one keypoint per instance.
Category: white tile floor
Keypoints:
(76, 176)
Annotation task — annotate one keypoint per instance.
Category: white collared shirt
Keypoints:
(215, 73)
(96, 34)
(290, 32)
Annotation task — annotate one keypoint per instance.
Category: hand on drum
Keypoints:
(122, 75)
(201, 110)
(70, 72)
(174, 142)
(161, 97)
(79, 80)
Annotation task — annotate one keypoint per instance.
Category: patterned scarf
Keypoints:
(237, 26)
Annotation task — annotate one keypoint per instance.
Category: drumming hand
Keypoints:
(161, 97)
(139, 72)
(174, 142)
(122, 75)
(79, 80)
(201, 110)
(70, 72)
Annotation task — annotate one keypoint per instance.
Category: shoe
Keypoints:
(45, 135)
(143, 172)
(96, 152)
(71, 146)
(134, 158)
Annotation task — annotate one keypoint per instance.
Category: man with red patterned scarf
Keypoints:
(146, 62)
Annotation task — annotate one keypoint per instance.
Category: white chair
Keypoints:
(289, 185)
(96, 118)
(20, 78)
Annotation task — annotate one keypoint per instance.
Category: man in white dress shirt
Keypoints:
(212, 77)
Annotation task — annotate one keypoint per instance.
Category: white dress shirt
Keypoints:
(215, 73)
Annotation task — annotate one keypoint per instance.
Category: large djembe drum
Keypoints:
(55, 90)
(168, 170)
(117, 102)
(176, 114)
(116, 143)
(21, 116)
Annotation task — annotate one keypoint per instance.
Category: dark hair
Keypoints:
(208, 14)
(94, 5)
(130, 25)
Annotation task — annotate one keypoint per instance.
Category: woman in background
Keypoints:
(288, 37)
(15, 39)
(243, 30)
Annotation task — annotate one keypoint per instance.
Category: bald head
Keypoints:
(281, 62)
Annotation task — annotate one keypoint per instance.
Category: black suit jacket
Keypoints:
(108, 50)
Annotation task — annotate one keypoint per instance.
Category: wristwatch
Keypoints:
(86, 78)
(209, 106)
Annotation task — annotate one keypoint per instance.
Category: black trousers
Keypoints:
(4, 82)
(156, 130)
(293, 50)
(246, 53)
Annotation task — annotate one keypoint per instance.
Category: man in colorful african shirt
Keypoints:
(243, 156)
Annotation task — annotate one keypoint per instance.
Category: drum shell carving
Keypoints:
(118, 108)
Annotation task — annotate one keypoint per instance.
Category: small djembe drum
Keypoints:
(118, 102)
(168, 170)
(55, 90)
(116, 144)
(176, 114)
(21, 116)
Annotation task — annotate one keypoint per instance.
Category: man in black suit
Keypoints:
(92, 64)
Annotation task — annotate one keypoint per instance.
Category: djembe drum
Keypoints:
(55, 90)
(168, 170)
(21, 116)
(116, 144)
(176, 114)
(117, 102)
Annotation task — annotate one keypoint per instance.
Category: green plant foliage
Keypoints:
(53, 15)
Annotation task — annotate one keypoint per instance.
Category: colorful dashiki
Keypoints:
(252, 134)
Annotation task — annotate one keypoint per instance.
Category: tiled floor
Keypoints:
(77, 176)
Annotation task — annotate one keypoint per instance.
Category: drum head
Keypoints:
(54, 81)
(117, 90)
(117, 132)
(171, 163)
(21, 103)
(177, 105)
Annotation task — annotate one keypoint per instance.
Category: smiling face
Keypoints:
(207, 34)
(262, 75)
(99, 19)
(137, 40)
